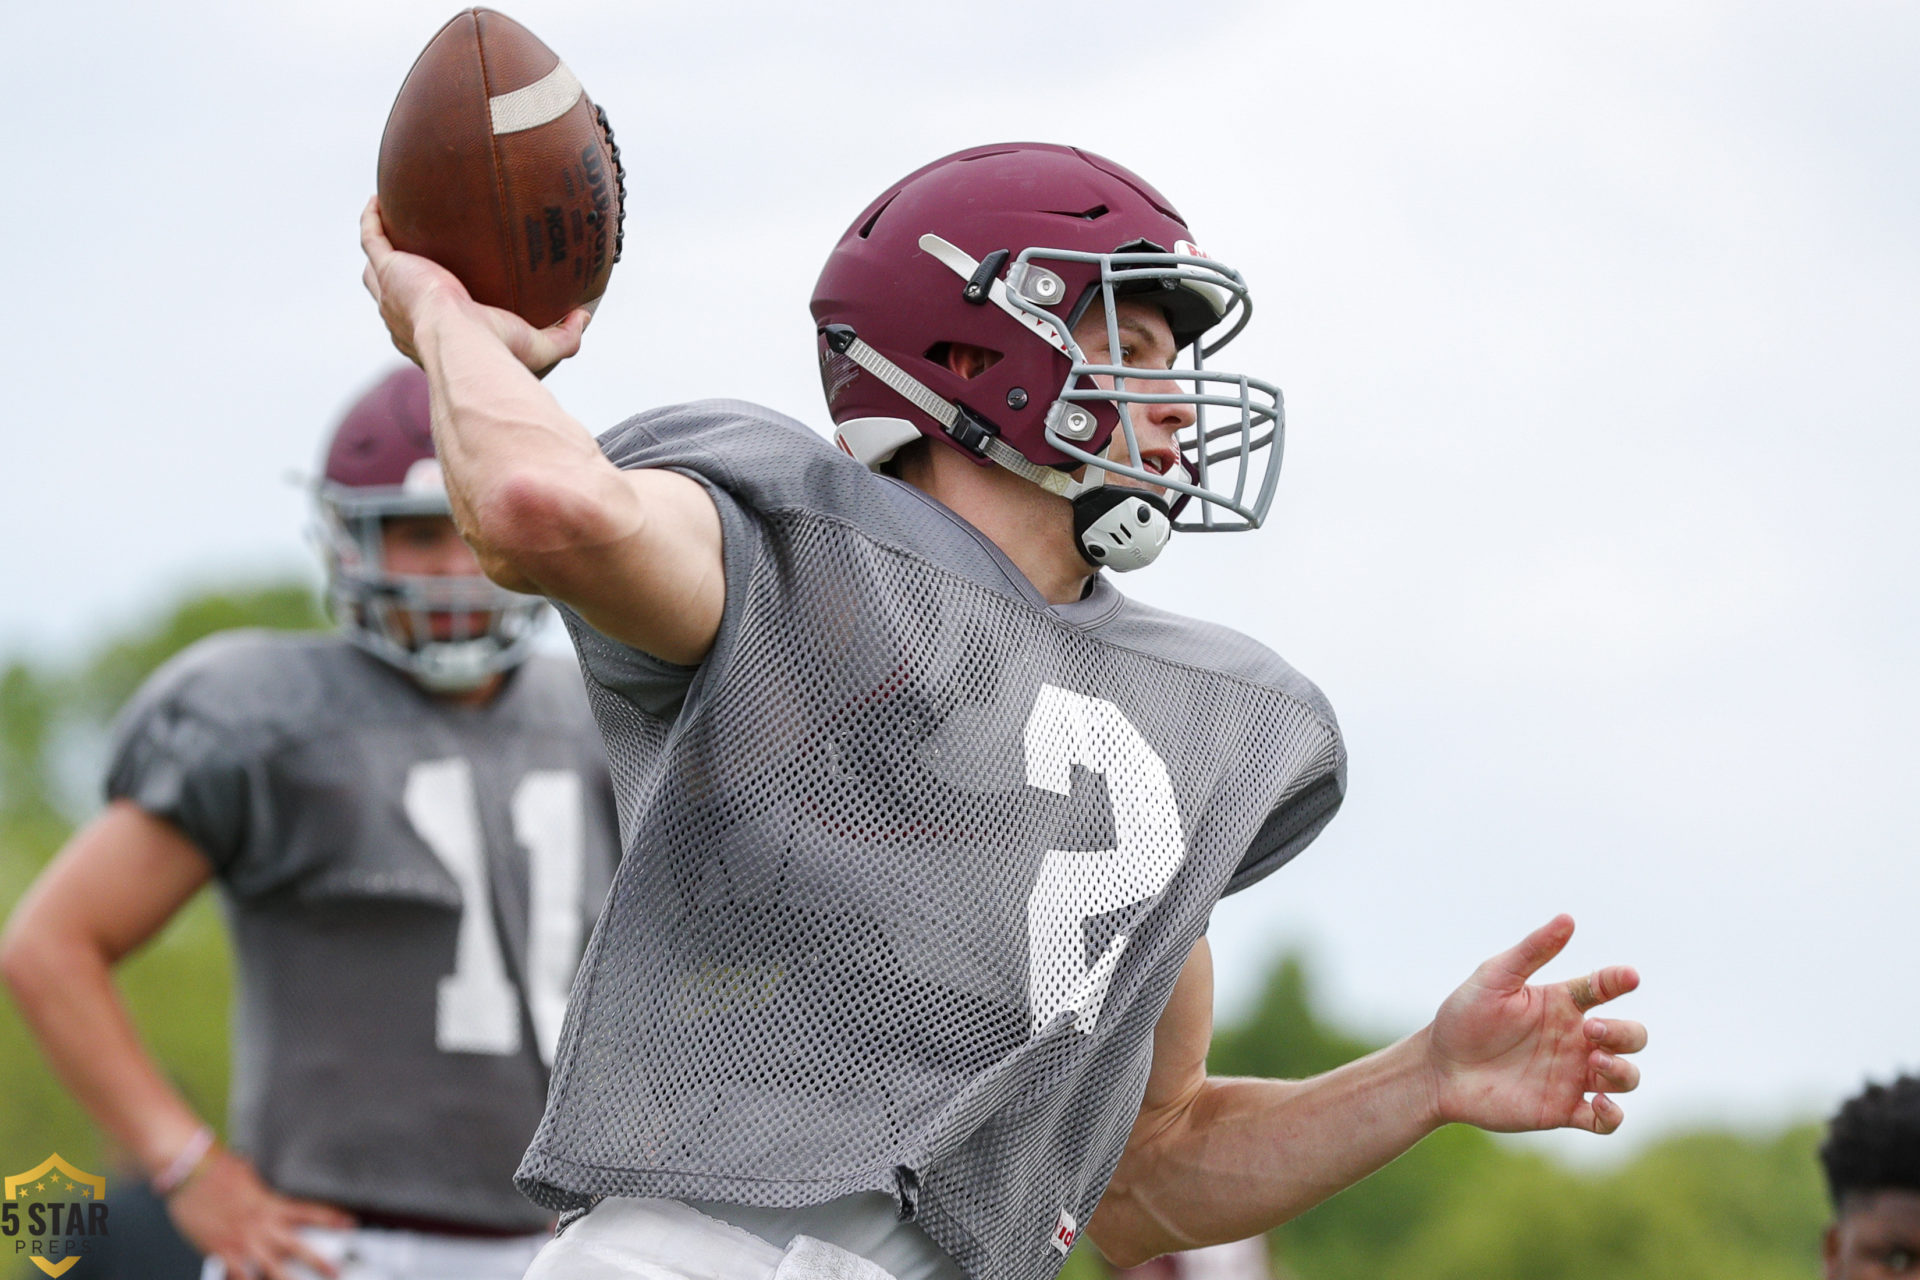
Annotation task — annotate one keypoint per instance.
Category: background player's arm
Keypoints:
(1213, 1160)
(635, 553)
(114, 886)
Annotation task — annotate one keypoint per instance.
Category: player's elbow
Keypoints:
(1127, 1235)
(532, 521)
(1143, 1212)
(1132, 1225)
(30, 963)
(1121, 1253)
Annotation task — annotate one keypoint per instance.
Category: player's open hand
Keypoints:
(1511, 1057)
(226, 1212)
(409, 288)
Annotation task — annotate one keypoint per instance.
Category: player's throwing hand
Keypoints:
(413, 292)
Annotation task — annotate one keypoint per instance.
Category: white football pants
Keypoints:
(624, 1239)
(365, 1253)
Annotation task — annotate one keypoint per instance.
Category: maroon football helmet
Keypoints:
(1005, 248)
(380, 463)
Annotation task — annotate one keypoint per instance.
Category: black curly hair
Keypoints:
(1873, 1143)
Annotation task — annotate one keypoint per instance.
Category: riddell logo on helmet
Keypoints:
(1188, 249)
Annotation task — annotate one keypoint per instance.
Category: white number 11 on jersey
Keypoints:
(478, 1007)
(1067, 729)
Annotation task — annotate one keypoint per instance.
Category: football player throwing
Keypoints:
(905, 969)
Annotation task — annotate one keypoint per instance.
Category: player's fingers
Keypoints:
(558, 341)
(570, 328)
(312, 1213)
(1609, 1074)
(235, 1266)
(1616, 980)
(301, 1252)
(553, 346)
(373, 232)
(1511, 968)
(371, 279)
(279, 1249)
(545, 348)
(1601, 985)
(1598, 1116)
(399, 330)
(404, 348)
(1602, 1115)
(255, 1263)
(1617, 1035)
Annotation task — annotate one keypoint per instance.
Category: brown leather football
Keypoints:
(497, 166)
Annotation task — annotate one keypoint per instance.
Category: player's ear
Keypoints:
(965, 359)
(1830, 1252)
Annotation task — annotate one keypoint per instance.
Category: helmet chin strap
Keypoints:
(1121, 529)
(453, 666)
(1115, 527)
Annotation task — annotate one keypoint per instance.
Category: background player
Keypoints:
(909, 961)
(1872, 1161)
(411, 830)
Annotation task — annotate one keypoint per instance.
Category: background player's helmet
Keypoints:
(380, 463)
(1006, 247)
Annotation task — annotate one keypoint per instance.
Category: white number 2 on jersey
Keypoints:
(1066, 729)
(478, 1009)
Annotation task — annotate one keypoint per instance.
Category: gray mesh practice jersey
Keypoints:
(913, 861)
(409, 884)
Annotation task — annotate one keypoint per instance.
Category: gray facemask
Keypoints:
(451, 634)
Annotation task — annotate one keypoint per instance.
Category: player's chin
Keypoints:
(1153, 464)
(1138, 486)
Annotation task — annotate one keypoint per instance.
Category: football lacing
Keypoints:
(619, 181)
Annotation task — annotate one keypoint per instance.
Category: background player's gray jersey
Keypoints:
(913, 861)
(409, 884)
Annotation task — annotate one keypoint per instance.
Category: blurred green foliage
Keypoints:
(1460, 1206)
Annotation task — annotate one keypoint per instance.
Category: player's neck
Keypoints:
(1032, 527)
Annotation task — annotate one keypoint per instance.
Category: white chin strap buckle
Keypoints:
(454, 666)
(1121, 529)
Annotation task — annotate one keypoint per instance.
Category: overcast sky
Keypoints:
(1597, 325)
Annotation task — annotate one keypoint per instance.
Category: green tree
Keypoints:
(1694, 1207)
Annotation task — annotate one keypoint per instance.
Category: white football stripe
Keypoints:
(548, 98)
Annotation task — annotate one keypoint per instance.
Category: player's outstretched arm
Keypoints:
(1214, 1160)
(115, 885)
(636, 553)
